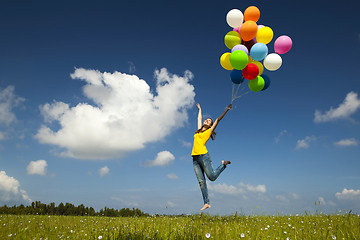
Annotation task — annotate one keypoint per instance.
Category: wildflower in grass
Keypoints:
(100, 237)
(207, 235)
(333, 237)
(242, 235)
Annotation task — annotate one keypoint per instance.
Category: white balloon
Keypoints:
(272, 62)
(235, 18)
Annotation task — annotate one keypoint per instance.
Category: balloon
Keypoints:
(257, 84)
(259, 51)
(240, 47)
(234, 18)
(260, 66)
(248, 30)
(252, 13)
(249, 44)
(225, 61)
(239, 59)
(231, 39)
(251, 71)
(236, 76)
(237, 29)
(251, 60)
(267, 82)
(272, 62)
(264, 35)
(282, 44)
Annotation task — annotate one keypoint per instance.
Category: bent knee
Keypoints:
(212, 178)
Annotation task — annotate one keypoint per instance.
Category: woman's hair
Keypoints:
(213, 134)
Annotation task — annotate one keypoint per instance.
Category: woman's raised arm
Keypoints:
(199, 116)
(212, 129)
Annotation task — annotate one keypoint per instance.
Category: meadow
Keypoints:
(319, 226)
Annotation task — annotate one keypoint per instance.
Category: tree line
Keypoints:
(68, 209)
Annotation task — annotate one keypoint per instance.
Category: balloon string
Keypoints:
(235, 95)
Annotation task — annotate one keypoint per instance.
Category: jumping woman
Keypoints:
(201, 158)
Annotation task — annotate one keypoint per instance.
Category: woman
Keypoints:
(201, 158)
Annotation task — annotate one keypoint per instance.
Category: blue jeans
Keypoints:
(202, 163)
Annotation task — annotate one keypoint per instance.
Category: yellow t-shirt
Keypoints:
(200, 140)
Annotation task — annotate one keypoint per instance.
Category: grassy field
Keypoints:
(341, 226)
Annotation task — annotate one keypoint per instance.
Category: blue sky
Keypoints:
(97, 106)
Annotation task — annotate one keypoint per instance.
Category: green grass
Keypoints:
(341, 226)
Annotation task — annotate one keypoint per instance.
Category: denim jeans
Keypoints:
(202, 163)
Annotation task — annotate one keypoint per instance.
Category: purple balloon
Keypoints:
(282, 44)
(240, 47)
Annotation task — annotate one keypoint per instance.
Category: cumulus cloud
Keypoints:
(162, 159)
(305, 143)
(10, 191)
(347, 142)
(8, 101)
(241, 188)
(252, 188)
(350, 194)
(104, 171)
(348, 107)
(172, 176)
(123, 114)
(37, 167)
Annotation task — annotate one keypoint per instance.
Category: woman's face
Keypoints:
(208, 122)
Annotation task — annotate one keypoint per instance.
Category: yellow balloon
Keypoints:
(264, 35)
(260, 66)
(225, 61)
(251, 60)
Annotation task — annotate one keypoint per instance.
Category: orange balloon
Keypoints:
(248, 30)
(252, 13)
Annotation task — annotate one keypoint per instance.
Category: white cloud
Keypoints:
(347, 142)
(170, 204)
(277, 138)
(104, 171)
(350, 105)
(10, 191)
(252, 188)
(2, 136)
(172, 176)
(242, 188)
(53, 111)
(305, 143)
(348, 194)
(288, 197)
(125, 114)
(8, 100)
(162, 159)
(325, 202)
(37, 167)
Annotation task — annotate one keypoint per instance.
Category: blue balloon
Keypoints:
(267, 82)
(258, 51)
(236, 76)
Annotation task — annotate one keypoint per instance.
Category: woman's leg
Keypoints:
(201, 178)
(208, 168)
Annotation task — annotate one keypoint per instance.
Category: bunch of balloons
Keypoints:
(249, 52)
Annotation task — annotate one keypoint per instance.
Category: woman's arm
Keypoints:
(199, 116)
(212, 129)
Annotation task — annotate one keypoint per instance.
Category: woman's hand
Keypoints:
(229, 107)
(198, 106)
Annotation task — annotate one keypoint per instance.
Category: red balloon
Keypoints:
(251, 71)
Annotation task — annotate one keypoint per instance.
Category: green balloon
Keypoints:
(231, 39)
(256, 84)
(239, 59)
